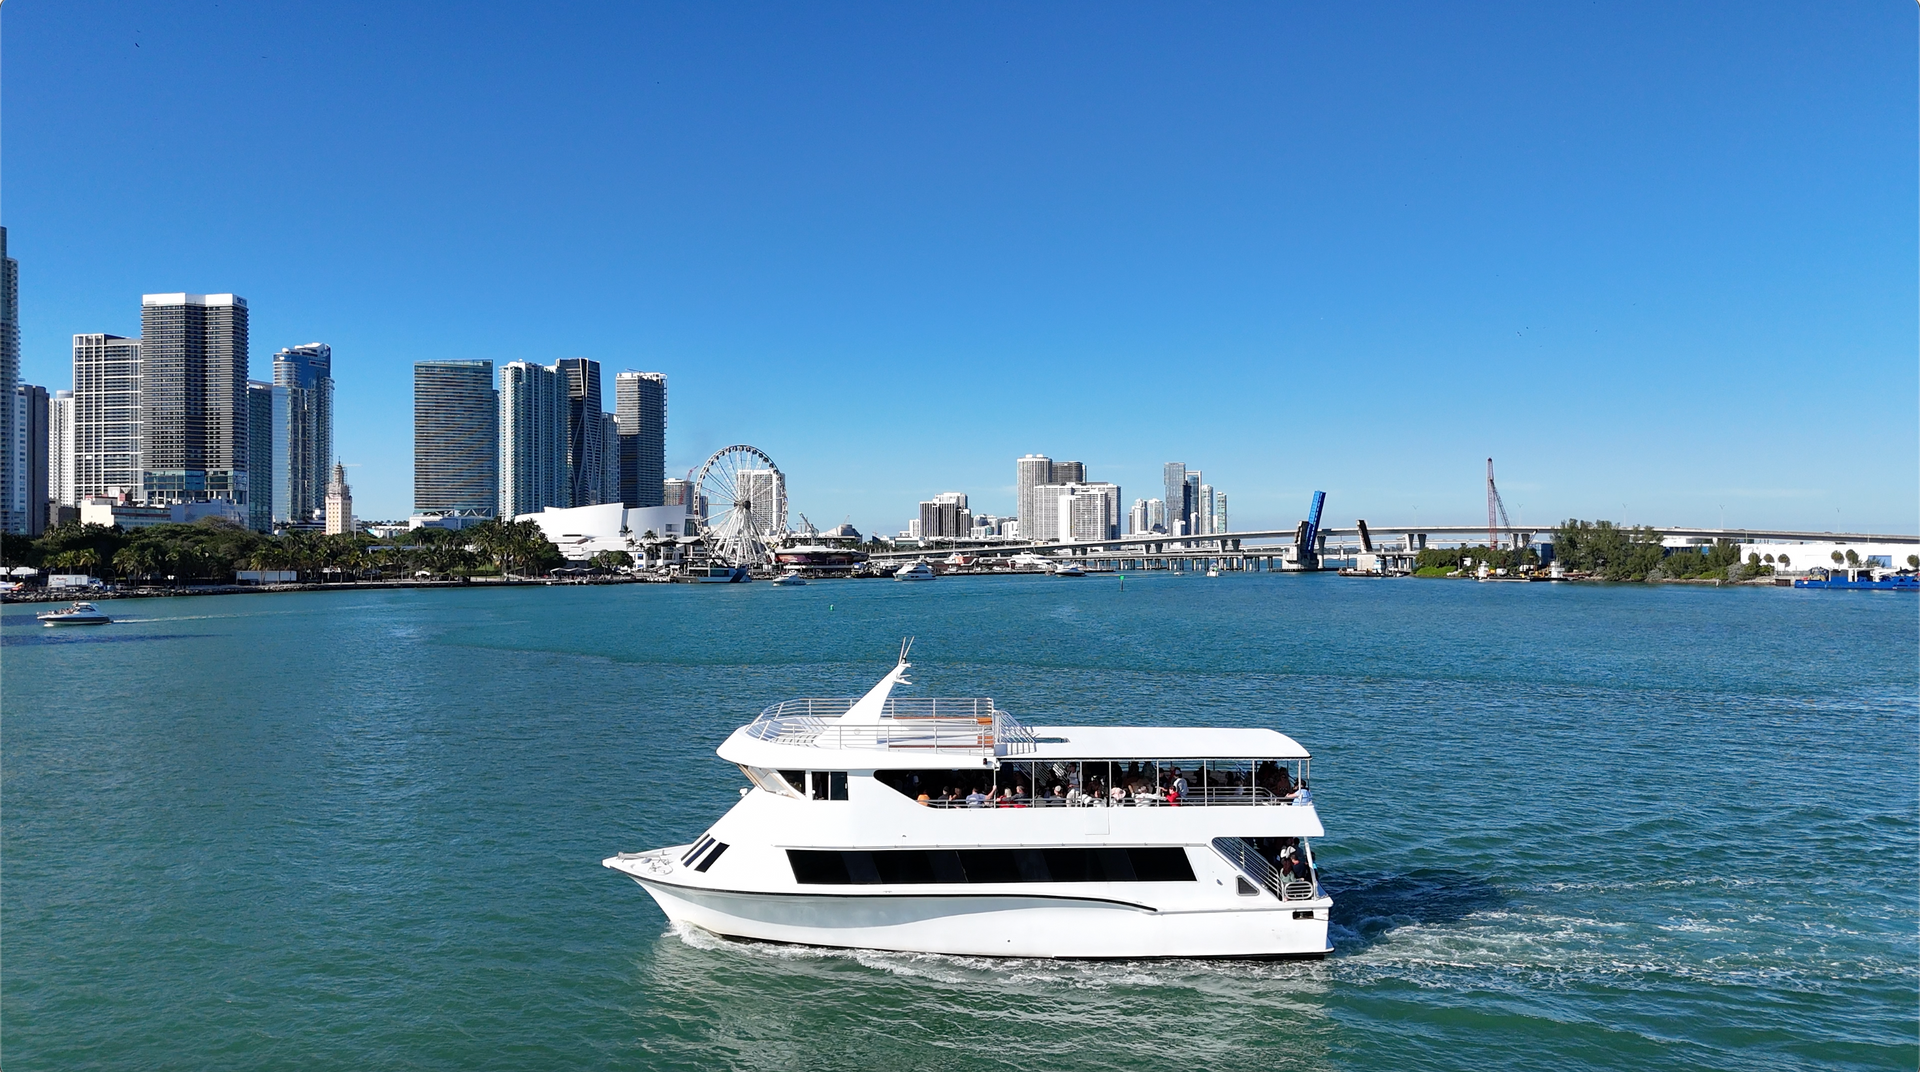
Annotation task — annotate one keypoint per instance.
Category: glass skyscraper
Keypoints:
(306, 374)
(585, 450)
(535, 422)
(456, 437)
(262, 475)
(640, 408)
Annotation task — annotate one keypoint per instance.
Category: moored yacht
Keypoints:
(919, 571)
(947, 826)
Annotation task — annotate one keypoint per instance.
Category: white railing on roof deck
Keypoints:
(934, 724)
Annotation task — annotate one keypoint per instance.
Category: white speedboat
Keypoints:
(919, 571)
(790, 579)
(1213, 573)
(1068, 569)
(946, 826)
(77, 614)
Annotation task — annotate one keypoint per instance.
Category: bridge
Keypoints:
(1271, 544)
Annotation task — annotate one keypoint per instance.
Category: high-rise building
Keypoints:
(106, 416)
(610, 459)
(946, 515)
(1156, 515)
(1203, 511)
(535, 459)
(1069, 472)
(60, 448)
(640, 406)
(1220, 512)
(1137, 518)
(263, 478)
(306, 372)
(1030, 473)
(13, 509)
(29, 456)
(1190, 521)
(765, 493)
(584, 447)
(1179, 502)
(1075, 512)
(456, 438)
(193, 398)
(339, 503)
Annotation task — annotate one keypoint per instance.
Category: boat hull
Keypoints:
(51, 622)
(1108, 925)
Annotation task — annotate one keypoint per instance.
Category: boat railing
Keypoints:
(1241, 854)
(970, 725)
(1198, 798)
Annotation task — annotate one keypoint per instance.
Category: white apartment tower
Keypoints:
(60, 448)
(106, 416)
(1030, 473)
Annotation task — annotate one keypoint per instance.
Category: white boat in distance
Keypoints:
(1068, 569)
(77, 614)
(790, 579)
(919, 571)
(946, 826)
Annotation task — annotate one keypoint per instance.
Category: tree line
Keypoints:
(212, 550)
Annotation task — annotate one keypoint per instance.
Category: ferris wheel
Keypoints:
(741, 505)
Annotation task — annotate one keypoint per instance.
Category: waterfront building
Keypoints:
(193, 398)
(1203, 511)
(265, 442)
(306, 374)
(339, 503)
(1190, 521)
(585, 449)
(60, 448)
(913, 529)
(124, 512)
(456, 437)
(13, 508)
(28, 452)
(1137, 517)
(452, 520)
(535, 460)
(946, 515)
(640, 407)
(1220, 512)
(1178, 504)
(1075, 512)
(1156, 515)
(106, 416)
(1030, 472)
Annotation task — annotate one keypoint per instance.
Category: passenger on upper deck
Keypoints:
(976, 799)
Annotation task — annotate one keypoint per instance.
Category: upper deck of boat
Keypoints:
(972, 731)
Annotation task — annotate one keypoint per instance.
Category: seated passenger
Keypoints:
(1302, 795)
(1173, 795)
(1059, 797)
(923, 799)
(1119, 797)
(976, 799)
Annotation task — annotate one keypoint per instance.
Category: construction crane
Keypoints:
(1494, 507)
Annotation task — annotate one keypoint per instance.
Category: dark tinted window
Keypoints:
(718, 848)
(906, 867)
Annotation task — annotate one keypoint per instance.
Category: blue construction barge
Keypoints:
(1864, 579)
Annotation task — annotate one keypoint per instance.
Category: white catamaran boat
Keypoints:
(77, 614)
(946, 826)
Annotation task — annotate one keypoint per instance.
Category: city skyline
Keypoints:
(1369, 251)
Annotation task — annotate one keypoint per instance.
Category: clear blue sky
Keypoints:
(1659, 260)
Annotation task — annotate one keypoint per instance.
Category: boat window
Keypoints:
(797, 779)
(829, 785)
(909, 867)
(774, 782)
(1102, 782)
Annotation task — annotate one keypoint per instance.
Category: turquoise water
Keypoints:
(1569, 826)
